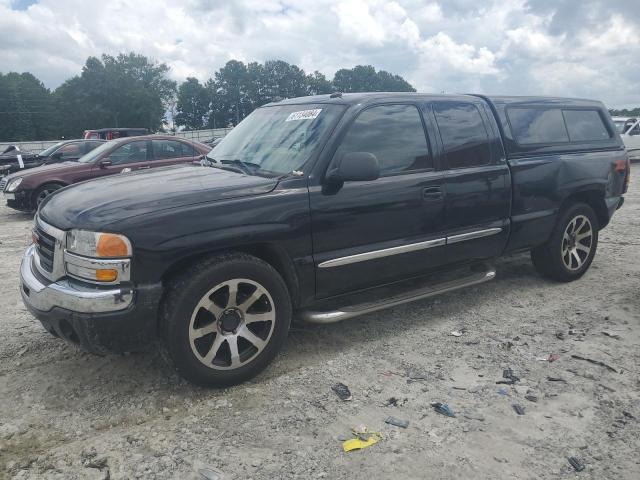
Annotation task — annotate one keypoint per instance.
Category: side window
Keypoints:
(163, 149)
(394, 134)
(635, 130)
(88, 146)
(585, 126)
(188, 150)
(71, 150)
(537, 125)
(463, 133)
(129, 153)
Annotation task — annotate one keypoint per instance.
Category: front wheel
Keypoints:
(568, 253)
(225, 320)
(43, 192)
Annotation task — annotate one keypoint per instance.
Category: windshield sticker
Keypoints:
(304, 115)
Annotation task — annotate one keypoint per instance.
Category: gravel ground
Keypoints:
(66, 414)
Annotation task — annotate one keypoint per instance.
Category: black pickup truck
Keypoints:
(321, 208)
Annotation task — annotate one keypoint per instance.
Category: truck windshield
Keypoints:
(277, 140)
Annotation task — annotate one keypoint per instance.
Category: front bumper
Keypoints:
(99, 319)
(21, 200)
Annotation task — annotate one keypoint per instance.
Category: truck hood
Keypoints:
(96, 204)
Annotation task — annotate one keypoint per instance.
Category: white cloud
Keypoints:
(573, 48)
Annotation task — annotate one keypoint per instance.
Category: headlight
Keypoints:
(13, 184)
(98, 257)
(96, 244)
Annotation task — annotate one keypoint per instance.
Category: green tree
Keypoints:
(129, 90)
(26, 108)
(364, 78)
(317, 84)
(193, 104)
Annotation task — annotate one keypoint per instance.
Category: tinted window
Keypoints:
(71, 150)
(88, 146)
(129, 153)
(166, 149)
(585, 125)
(464, 136)
(394, 134)
(188, 150)
(537, 125)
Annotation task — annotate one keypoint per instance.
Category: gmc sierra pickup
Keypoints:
(321, 208)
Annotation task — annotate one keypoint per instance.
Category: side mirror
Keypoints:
(57, 156)
(105, 163)
(358, 167)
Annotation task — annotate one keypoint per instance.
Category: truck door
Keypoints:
(477, 181)
(369, 233)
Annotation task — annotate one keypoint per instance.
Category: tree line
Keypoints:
(131, 90)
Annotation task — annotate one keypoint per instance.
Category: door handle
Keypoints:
(432, 194)
(144, 168)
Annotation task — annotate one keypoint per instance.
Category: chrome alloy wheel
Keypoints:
(232, 324)
(577, 242)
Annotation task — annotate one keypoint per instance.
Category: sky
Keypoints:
(578, 48)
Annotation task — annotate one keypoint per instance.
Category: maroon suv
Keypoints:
(25, 190)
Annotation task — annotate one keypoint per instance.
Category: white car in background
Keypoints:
(629, 130)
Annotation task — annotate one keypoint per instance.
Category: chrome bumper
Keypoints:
(66, 294)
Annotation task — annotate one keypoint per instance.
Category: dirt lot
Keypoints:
(66, 414)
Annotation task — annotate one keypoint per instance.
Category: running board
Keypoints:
(337, 315)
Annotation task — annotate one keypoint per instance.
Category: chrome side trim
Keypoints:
(412, 247)
(67, 294)
(350, 312)
(472, 235)
(385, 252)
(87, 266)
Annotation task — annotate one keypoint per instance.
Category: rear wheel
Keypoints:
(224, 321)
(568, 253)
(43, 192)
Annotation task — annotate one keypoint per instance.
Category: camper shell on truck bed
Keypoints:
(322, 208)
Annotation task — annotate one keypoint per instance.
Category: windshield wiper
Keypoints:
(244, 166)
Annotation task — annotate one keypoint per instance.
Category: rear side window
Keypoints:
(394, 134)
(585, 126)
(537, 125)
(532, 126)
(163, 149)
(464, 135)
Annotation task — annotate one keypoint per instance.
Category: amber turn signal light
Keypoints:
(110, 245)
(106, 275)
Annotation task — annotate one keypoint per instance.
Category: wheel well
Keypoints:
(37, 189)
(271, 254)
(593, 198)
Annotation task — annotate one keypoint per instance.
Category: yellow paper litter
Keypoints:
(357, 443)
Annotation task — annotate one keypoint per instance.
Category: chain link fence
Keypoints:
(197, 135)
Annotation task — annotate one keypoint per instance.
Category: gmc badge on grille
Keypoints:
(35, 237)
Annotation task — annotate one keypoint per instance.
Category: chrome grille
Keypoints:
(48, 258)
(3, 183)
(46, 248)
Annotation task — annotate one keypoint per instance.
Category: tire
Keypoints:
(568, 253)
(200, 324)
(43, 192)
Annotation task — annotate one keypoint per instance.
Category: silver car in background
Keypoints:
(629, 130)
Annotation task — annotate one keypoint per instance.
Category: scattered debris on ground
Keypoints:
(134, 419)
